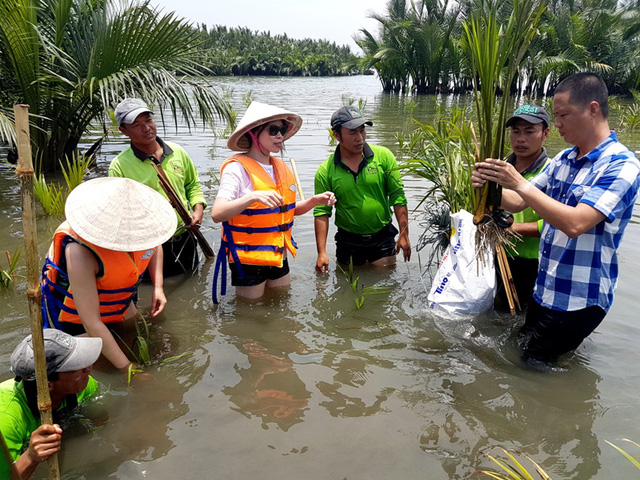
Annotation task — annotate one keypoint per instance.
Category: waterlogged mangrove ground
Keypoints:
(304, 385)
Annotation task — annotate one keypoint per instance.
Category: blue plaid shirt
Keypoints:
(577, 273)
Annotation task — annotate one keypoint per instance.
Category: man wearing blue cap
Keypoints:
(69, 362)
(529, 129)
(366, 182)
(136, 162)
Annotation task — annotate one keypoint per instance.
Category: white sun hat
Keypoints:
(120, 214)
(258, 114)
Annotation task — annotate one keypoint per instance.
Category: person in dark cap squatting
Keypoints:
(366, 182)
(136, 162)
(69, 362)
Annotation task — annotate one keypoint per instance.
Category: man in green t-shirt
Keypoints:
(136, 162)
(366, 182)
(69, 362)
(529, 129)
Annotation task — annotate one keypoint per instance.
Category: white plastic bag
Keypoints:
(462, 284)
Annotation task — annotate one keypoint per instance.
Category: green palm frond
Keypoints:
(7, 127)
(74, 60)
(633, 460)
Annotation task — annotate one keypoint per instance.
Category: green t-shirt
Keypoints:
(528, 247)
(17, 422)
(364, 200)
(176, 163)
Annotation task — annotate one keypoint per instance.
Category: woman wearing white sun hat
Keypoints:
(256, 203)
(98, 255)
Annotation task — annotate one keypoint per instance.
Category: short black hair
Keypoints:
(584, 88)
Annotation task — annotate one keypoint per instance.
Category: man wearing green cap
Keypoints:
(529, 129)
(366, 182)
(136, 162)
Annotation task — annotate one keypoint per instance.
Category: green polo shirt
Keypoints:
(528, 247)
(182, 174)
(364, 198)
(17, 422)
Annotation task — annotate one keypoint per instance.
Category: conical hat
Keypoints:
(258, 114)
(120, 214)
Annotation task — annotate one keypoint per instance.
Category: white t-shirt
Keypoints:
(236, 182)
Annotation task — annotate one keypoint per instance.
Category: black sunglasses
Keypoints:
(275, 129)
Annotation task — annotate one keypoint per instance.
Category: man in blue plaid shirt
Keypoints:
(585, 197)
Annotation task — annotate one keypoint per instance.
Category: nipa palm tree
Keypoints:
(72, 61)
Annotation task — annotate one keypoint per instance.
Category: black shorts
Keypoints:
(257, 274)
(551, 333)
(180, 254)
(365, 248)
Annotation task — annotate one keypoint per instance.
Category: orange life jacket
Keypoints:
(119, 274)
(259, 235)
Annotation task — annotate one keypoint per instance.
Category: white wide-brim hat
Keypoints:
(259, 114)
(120, 214)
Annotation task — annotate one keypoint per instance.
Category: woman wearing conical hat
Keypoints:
(90, 278)
(256, 203)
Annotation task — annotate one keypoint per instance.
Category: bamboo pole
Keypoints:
(295, 174)
(507, 279)
(25, 173)
(12, 466)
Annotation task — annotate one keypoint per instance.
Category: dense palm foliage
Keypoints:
(72, 61)
(240, 51)
(418, 45)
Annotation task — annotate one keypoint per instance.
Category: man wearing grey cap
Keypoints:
(529, 129)
(136, 162)
(69, 362)
(366, 182)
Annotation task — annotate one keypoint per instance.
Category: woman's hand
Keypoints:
(268, 198)
(325, 198)
(158, 301)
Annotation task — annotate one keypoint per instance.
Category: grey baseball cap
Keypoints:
(63, 352)
(348, 117)
(530, 113)
(128, 110)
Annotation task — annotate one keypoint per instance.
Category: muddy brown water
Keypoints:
(305, 385)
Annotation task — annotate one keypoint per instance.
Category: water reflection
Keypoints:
(486, 398)
(269, 387)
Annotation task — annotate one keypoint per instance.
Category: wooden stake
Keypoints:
(295, 174)
(12, 466)
(507, 280)
(25, 172)
(176, 203)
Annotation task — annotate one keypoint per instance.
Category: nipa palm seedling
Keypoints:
(359, 290)
(53, 196)
(7, 276)
(632, 459)
(513, 469)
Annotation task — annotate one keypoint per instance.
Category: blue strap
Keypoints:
(226, 246)
(259, 248)
(278, 228)
(265, 211)
(221, 261)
